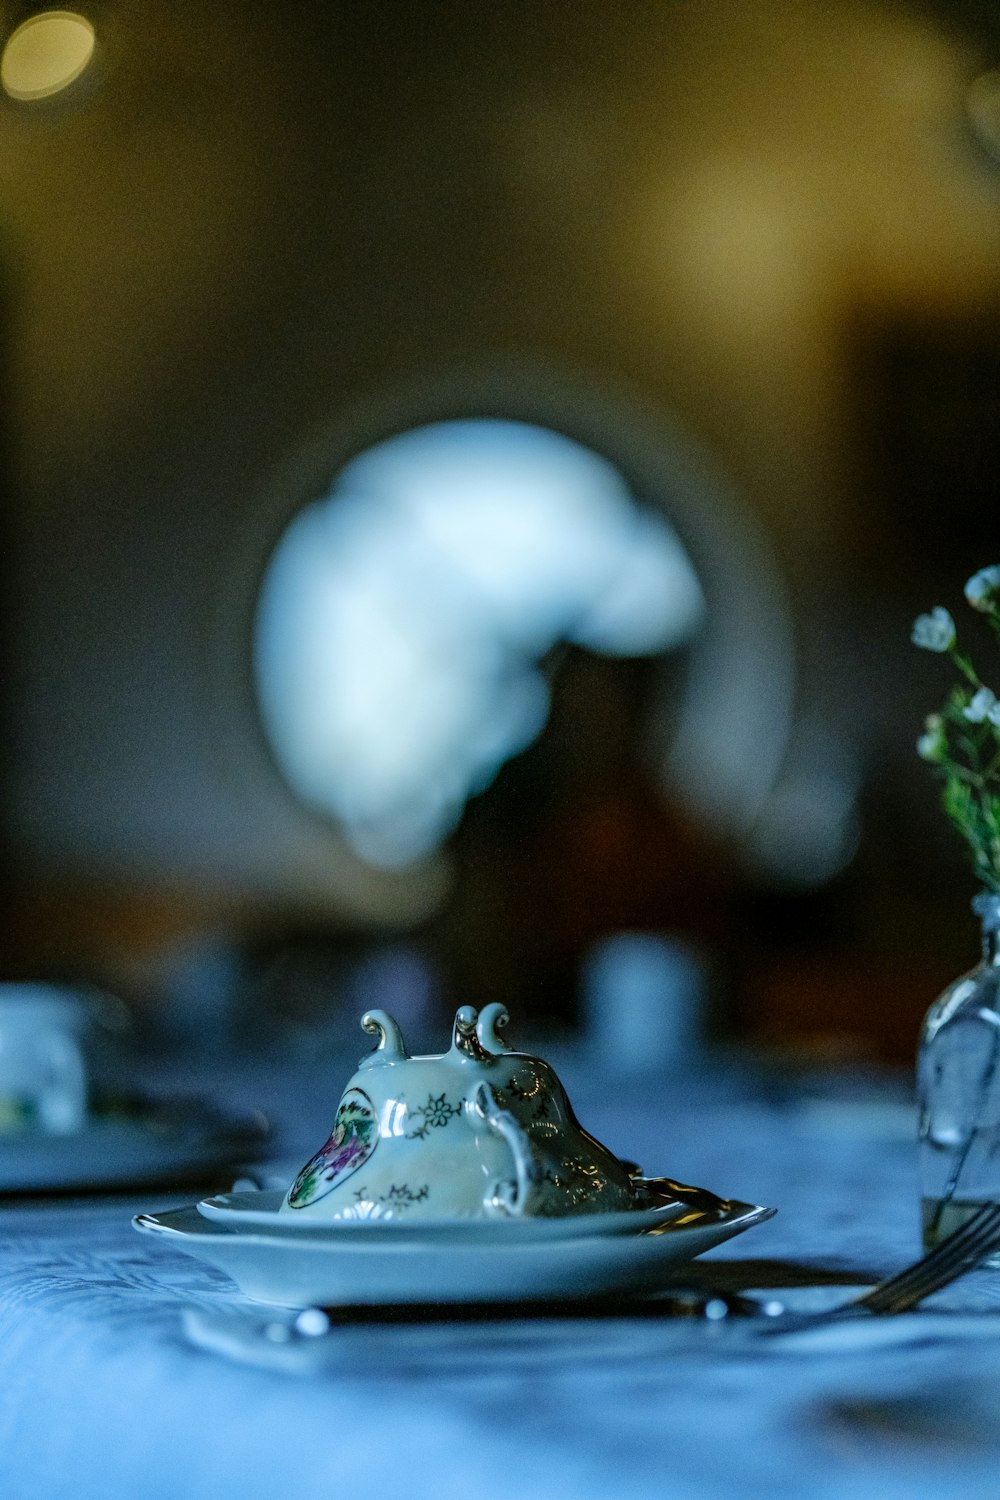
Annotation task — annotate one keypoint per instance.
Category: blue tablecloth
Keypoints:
(102, 1395)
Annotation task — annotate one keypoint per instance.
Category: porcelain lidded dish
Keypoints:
(481, 1131)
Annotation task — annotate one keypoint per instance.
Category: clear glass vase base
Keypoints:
(939, 1218)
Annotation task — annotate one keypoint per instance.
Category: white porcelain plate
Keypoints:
(257, 1212)
(345, 1266)
(121, 1152)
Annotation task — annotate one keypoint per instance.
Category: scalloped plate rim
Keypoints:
(238, 1212)
(358, 1270)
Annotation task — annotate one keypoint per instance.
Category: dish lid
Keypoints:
(480, 1131)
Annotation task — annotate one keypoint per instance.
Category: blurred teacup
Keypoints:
(43, 1077)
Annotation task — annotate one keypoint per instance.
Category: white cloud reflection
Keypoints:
(402, 618)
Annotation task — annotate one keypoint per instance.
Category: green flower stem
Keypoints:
(966, 752)
(971, 778)
(965, 666)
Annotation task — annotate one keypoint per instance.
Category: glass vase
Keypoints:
(958, 1091)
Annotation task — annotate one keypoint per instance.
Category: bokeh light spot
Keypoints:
(45, 54)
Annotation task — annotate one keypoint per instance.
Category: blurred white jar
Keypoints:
(43, 1077)
(643, 1003)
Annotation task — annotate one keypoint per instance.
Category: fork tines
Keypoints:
(970, 1243)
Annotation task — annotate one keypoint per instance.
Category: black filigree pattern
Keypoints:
(433, 1115)
(399, 1197)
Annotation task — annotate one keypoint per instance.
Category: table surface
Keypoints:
(101, 1394)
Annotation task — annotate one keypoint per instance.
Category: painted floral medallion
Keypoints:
(352, 1141)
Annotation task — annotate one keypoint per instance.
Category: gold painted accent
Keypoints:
(465, 1039)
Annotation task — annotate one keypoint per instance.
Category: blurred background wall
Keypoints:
(750, 254)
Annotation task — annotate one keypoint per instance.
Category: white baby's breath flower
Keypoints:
(932, 743)
(983, 706)
(967, 762)
(934, 632)
(983, 589)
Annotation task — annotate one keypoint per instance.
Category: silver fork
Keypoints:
(961, 1251)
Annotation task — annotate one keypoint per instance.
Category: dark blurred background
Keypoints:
(748, 254)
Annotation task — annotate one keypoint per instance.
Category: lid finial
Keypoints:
(491, 1018)
(464, 1038)
(390, 1047)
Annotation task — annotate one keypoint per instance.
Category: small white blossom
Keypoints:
(932, 743)
(983, 706)
(983, 589)
(934, 632)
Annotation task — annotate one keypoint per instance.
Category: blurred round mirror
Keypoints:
(983, 107)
